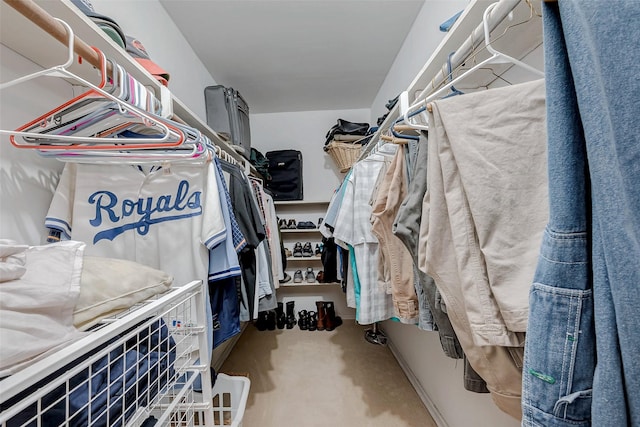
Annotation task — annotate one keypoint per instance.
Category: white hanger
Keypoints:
(171, 135)
(495, 58)
(56, 70)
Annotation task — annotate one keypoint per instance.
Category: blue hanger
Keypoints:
(401, 119)
(399, 135)
(454, 91)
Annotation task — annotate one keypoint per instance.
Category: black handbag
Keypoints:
(345, 127)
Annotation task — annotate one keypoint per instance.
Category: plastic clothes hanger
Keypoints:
(401, 136)
(83, 107)
(106, 116)
(197, 150)
(194, 153)
(394, 140)
(495, 58)
(193, 149)
(454, 91)
(170, 135)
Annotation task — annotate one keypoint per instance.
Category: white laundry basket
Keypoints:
(230, 395)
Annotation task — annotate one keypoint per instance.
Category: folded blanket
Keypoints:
(12, 260)
(36, 309)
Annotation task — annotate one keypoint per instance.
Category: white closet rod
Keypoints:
(497, 15)
(34, 13)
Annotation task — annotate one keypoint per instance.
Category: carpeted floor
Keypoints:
(324, 379)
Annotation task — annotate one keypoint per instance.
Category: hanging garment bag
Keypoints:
(228, 113)
(285, 168)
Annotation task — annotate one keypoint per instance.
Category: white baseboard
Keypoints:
(424, 396)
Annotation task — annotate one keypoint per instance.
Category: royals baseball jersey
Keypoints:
(163, 217)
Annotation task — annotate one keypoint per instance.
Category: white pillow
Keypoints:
(109, 285)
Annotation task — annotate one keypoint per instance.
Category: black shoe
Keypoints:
(297, 276)
(313, 321)
(307, 250)
(271, 320)
(318, 251)
(261, 321)
(281, 319)
(292, 224)
(291, 318)
(297, 250)
(286, 279)
(282, 224)
(303, 320)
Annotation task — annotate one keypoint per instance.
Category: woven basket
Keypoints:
(344, 154)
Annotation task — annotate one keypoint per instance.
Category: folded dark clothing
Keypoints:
(345, 127)
(392, 102)
(306, 225)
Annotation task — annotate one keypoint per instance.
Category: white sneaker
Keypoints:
(309, 276)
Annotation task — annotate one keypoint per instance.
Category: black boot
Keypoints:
(281, 319)
(313, 320)
(303, 320)
(291, 318)
(331, 320)
(271, 320)
(261, 322)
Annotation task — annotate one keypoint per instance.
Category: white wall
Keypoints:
(151, 24)
(27, 180)
(439, 378)
(422, 40)
(305, 131)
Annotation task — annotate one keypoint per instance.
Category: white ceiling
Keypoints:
(297, 55)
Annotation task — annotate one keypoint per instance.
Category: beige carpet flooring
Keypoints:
(324, 379)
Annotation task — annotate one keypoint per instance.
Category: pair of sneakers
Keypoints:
(284, 225)
(300, 250)
(309, 276)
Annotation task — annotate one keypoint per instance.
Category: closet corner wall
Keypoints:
(305, 131)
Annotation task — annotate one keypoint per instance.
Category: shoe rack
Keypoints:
(301, 211)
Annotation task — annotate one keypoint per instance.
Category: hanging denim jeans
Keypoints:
(581, 356)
